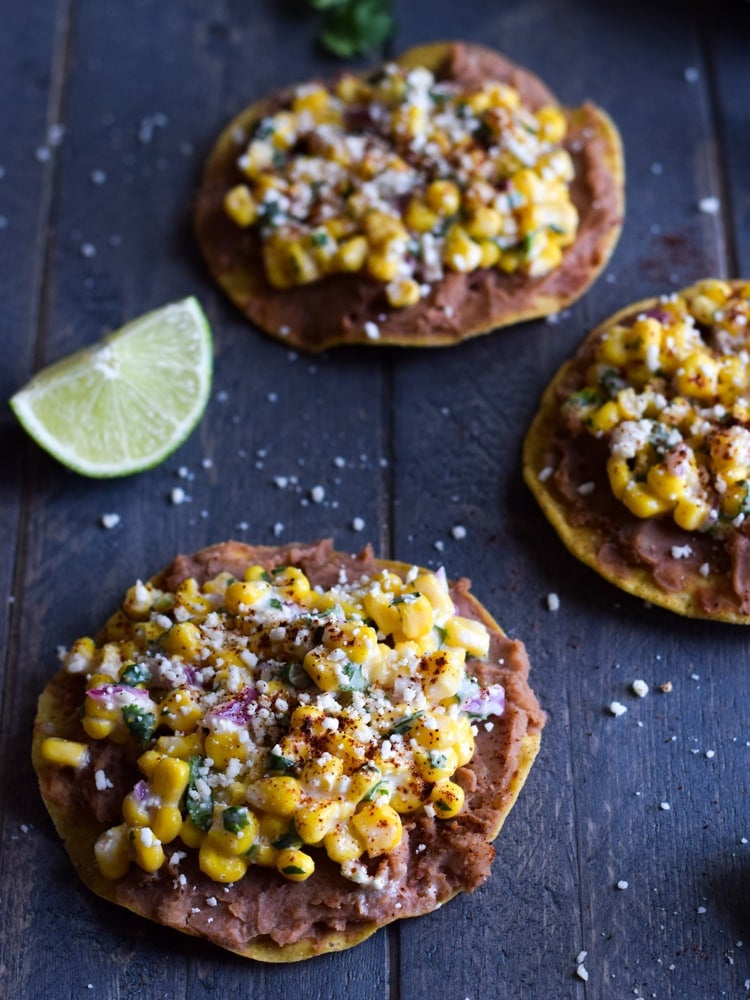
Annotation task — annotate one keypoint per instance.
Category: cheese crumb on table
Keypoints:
(553, 602)
(617, 708)
(623, 884)
(109, 520)
(639, 688)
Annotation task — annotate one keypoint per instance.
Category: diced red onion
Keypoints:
(485, 702)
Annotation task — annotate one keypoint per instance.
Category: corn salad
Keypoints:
(278, 720)
(669, 391)
(403, 177)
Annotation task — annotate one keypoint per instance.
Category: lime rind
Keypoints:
(123, 405)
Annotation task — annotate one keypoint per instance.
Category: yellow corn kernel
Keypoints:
(437, 593)
(352, 254)
(434, 765)
(183, 639)
(379, 607)
(147, 634)
(138, 601)
(240, 205)
(447, 798)
(698, 376)
(234, 830)
(117, 627)
(147, 850)
(67, 753)
(383, 266)
(690, 513)
(464, 744)
(619, 475)
(490, 253)
(312, 98)
(279, 795)
(484, 223)
(528, 185)
(641, 502)
(605, 418)
(444, 197)
(665, 484)
(545, 260)
(223, 747)
(471, 635)
(342, 844)
(322, 773)
(420, 217)
(112, 852)
(356, 639)
(170, 779)
(294, 864)
(307, 718)
(381, 228)
(441, 673)
(729, 448)
(242, 595)
(352, 89)
(611, 347)
(552, 124)
(402, 292)
(502, 95)
(379, 826)
(324, 668)
(292, 584)
(96, 728)
(191, 835)
(148, 762)
(314, 821)
(183, 747)
(220, 867)
(180, 710)
(415, 616)
(188, 596)
(434, 732)
(254, 572)
(80, 657)
(460, 252)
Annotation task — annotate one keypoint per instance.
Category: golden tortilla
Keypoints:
(696, 573)
(339, 309)
(338, 909)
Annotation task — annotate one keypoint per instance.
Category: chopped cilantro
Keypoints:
(611, 381)
(293, 674)
(379, 788)
(292, 870)
(442, 806)
(354, 27)
(278, 570)
(405, 599)
(140, 722)
(527, 243)
(235, 819)
(438, 759)
(320, 238)
(405, 724)
(199, 809)
(441, 635)
(355, 679)
(275, 603)
(278, 764)
(289, 839)
(135, 673)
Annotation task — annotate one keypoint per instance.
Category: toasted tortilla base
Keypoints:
(592, 539)
(335, 309)
(508, 766)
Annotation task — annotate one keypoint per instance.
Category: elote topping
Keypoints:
(277, 719)
(668, 390)
(404, 177)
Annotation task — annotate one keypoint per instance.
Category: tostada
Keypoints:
(443, 195)
(283, 749)
(639, 453)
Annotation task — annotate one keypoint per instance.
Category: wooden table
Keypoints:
(107, 111)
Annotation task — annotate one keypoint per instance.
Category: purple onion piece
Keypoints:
(236, 710)
(485, 702)
(119, 692)
(140, 791)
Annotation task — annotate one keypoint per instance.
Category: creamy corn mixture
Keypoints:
(670, 394)
(278, 720)
(404, 177)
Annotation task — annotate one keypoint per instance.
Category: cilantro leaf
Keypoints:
(140, 722)
(235, 819)
(354, 27)
(289, 839)
(199, 809)
(135, 673)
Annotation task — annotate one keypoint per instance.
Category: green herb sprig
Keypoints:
(354, 27)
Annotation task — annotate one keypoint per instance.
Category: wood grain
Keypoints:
(429, 443)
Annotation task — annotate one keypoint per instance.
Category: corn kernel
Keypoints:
(471, 635)
(112, 852)
(67, 753)
(240, 206)
(447, 798)
(379, 826)
(295, 865)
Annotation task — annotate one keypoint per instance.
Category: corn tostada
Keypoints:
(639, 453)
(444, 195)
(282, 749)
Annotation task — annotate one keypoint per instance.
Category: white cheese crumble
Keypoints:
(317, 494)
(665, 806)
(553, 602)
(178, 496)
(709, 205)
(372, 330)
(101, 781)
(623, 884)
(358, 524)
(617, 708)
(586, 489)
(109, 521)
(458, 531)
(681, 551)
(639, 688)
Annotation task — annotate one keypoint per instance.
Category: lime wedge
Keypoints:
(125, 403)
